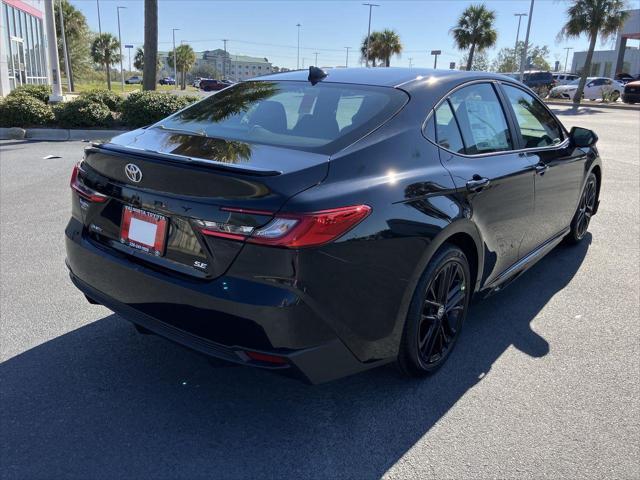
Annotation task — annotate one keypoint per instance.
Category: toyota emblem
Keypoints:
(133, 172)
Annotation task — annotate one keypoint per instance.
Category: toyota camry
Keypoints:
(322, 223)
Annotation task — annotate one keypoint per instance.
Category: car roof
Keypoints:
(383, 76)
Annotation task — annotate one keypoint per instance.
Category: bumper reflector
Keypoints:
(264, 357)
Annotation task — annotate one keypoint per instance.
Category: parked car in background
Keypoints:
(594, 89)
(539, 81)
(631, 93)
(210, 84)
(167, 81)
(564, 78)
(133, 80)
(320, 224)
(624, 78)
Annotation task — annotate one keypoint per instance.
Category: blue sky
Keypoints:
(268, 29)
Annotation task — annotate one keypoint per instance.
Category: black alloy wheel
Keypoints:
(586, 209)
(436, 314)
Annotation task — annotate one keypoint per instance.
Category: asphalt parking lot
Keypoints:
(545, 381)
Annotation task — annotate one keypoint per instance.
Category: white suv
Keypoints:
(564, 78)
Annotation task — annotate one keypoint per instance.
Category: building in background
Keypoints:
(232, 67)
(23, 44)
(606, 63)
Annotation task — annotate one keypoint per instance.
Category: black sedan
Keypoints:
(323, 223)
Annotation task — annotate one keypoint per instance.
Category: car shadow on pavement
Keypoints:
(105, 402)
(572, 111)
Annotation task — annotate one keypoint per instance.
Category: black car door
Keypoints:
(496, 184)
(559, 168)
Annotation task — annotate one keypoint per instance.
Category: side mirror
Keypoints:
(582, 137)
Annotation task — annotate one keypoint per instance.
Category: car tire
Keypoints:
(436, 314)
(584, 212)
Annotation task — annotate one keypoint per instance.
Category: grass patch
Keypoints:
(117, 88)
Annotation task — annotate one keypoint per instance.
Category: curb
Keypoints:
(620, 106)
(57, 134)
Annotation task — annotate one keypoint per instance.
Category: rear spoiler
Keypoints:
(170, 157)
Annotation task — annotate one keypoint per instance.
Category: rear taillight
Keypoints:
(293, 230)
(82, 190)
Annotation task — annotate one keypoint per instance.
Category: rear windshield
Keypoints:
(290, 114)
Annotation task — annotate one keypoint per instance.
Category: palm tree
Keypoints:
(105, 51)
(186, 57)
(77, 36)
(138, 60)
(382, 46)
(388, 44)
(372, 45)
(150, 44)
(592, 17)
(475, 31)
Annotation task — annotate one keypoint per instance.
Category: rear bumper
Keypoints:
(222, 318)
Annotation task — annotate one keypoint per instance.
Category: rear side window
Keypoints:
(319, 117)
(481, 119)
(447, 132)
(537, 125)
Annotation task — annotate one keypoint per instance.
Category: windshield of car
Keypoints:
(289, 113)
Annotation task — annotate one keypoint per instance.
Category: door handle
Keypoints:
(541, 168)
(477, 183)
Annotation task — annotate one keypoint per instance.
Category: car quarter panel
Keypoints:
(362, 284)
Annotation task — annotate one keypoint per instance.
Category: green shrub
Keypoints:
(111, 99)
(144, 108)
(192, 98)
(609, 96)
(82, 113)
(39, 92)
(23, 110)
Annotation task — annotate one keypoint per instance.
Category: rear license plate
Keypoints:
(143, 230)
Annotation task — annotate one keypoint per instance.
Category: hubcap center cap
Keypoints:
(440, 312)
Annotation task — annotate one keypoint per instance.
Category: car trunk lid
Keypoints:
(189, 179)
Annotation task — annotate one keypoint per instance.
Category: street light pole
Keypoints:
(298, 58)
(347, 62)
(129, 47)
(435, 54)
(566, 58)
(65, 51)
(370, 5)
(224, 59)
(316, 54)
(99, 25)
(52, 50)
(515, 49)
(523, 60)
(175, 60)
(120, 41)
